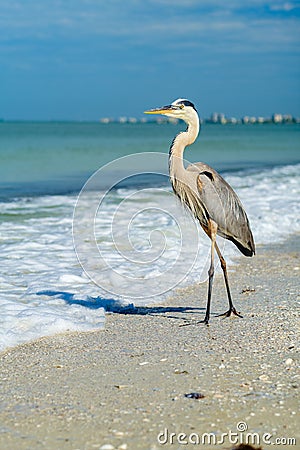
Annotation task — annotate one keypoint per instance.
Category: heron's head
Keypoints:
(179, 109)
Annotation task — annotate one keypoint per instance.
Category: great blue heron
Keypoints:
(207, 195)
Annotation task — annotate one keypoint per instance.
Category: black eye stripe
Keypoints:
(188, 103)
(182, 102)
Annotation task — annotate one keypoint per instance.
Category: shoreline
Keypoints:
(125, 384)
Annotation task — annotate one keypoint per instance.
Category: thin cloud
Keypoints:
(89, 17)
(285, 7)
(234, 26)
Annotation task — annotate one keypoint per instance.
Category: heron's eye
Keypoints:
(181, 106)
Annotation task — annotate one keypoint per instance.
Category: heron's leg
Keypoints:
(212, 232)
(232, 309)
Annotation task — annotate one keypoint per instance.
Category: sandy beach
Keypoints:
(125, 387)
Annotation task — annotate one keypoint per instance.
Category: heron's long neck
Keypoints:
(182, 140)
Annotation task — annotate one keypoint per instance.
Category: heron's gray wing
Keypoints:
(224, 207)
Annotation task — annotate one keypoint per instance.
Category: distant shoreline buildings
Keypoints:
(220, 118)
(215, 118)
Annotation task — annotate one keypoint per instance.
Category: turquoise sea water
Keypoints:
(39, 158)
(67, 258)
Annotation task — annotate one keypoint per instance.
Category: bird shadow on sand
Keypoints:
(118, 307)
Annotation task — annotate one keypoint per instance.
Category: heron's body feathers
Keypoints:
(223, 205)
(208, 196)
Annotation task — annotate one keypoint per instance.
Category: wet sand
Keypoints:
(125, 386)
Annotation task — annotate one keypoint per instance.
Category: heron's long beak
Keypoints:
(161, 110)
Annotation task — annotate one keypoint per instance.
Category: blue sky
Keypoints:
(85, 59)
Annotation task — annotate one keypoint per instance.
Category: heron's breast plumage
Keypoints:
(188, 195)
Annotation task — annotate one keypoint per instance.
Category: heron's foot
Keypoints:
(205, 321)
(230, 312)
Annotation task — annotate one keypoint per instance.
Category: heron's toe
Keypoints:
(229, 313)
